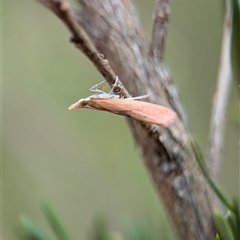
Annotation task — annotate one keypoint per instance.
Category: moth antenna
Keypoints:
(95, 89)
(140, 97)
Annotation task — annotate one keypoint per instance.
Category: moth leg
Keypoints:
(95, 89)
(115, 84)
(140, 97)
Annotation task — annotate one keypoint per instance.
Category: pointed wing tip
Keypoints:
(74, 106)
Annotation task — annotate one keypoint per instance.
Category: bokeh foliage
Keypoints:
(86, 161)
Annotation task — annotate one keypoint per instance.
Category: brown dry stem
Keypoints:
(159, 31)
(114, 30)
(220, 100)
(82, 42)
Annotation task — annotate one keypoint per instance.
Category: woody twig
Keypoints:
(220, 100)
(159, 31)
(114, 29)
(82, 42)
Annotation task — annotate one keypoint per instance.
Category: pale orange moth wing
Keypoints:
(142, 111)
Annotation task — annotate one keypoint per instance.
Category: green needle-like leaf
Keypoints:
(220, 194)
(31, 230)
(55, 223)
(236, 40)
(217, 237)
(223, 229)
(231, 219)
(101, 231)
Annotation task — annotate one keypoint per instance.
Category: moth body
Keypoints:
(142, 111)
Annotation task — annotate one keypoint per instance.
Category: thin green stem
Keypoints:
(222, 197)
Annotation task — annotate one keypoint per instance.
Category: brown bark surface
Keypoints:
(114, 30)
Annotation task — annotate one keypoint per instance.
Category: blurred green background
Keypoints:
(85, 162)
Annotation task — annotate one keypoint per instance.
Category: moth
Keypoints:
(139, 110)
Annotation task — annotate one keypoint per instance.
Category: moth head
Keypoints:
(79, 104)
